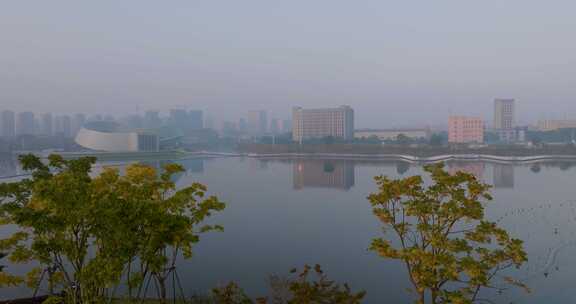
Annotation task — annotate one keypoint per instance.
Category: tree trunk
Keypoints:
(162, 286)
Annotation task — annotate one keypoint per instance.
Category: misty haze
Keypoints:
(287, 152)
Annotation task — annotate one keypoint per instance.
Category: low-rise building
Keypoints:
(111, 137)
(465, 129)
(556, 124)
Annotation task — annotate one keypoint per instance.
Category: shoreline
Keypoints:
(181, 155)
(397, 157)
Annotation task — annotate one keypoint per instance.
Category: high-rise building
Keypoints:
(504, 114)
(196, 119)
(179, 118)
(286, 126)
(25, 123)
(187, 120)
(319, 123)
(77, 123)
(7, 124)
(275, 126)
(46, 125)
(463, 129)
(242, 126)
(257, 122)
(133, 121)
(63, 126)
(152, 120)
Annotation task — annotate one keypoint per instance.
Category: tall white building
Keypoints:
(318, 123)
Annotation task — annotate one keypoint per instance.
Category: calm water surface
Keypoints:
(286, 213)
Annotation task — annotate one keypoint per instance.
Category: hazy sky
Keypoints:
(396, 62)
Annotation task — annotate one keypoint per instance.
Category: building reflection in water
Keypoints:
(257, 164)
(402, 167)
(323, 174)
(503, 176)
(474, 168)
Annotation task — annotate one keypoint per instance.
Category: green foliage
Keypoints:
(87, 233)
(438, 139)
(6, 279)
(449, 249)
(309, 286)
(307, 290)
(403, 140)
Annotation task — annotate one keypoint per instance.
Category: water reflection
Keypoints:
(503, 176)
(323, 174)
(402, 167)
(261, 194)
(474, 168)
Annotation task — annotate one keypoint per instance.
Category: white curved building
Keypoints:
(111, 137)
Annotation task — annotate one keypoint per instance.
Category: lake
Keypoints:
(283, 214)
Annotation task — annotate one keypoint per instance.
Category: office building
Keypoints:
(7, 124)
(63, 126)
(152, 120)
(320, 123)
(77, 123)
(47, 125)
(504, 114)
(196, 119)
(257, 122)
(179, 119)
(275, 126)
(286, 126)
(556, 124)
(25, 123)
(242, 126)
(464, 129)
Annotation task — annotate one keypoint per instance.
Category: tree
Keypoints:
(403, 140)
(308, 286)
(312, 286)
(436, 140)
(5, 278)
(449, 249)
(87, 233)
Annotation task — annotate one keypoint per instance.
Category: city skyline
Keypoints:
(399, 62)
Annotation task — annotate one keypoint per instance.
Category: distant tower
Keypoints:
(25, 123)
(257, 122)
(7, 124)
(46, 125)
(63, 126)
(78, 123)
(504, 114)
(152, 120)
